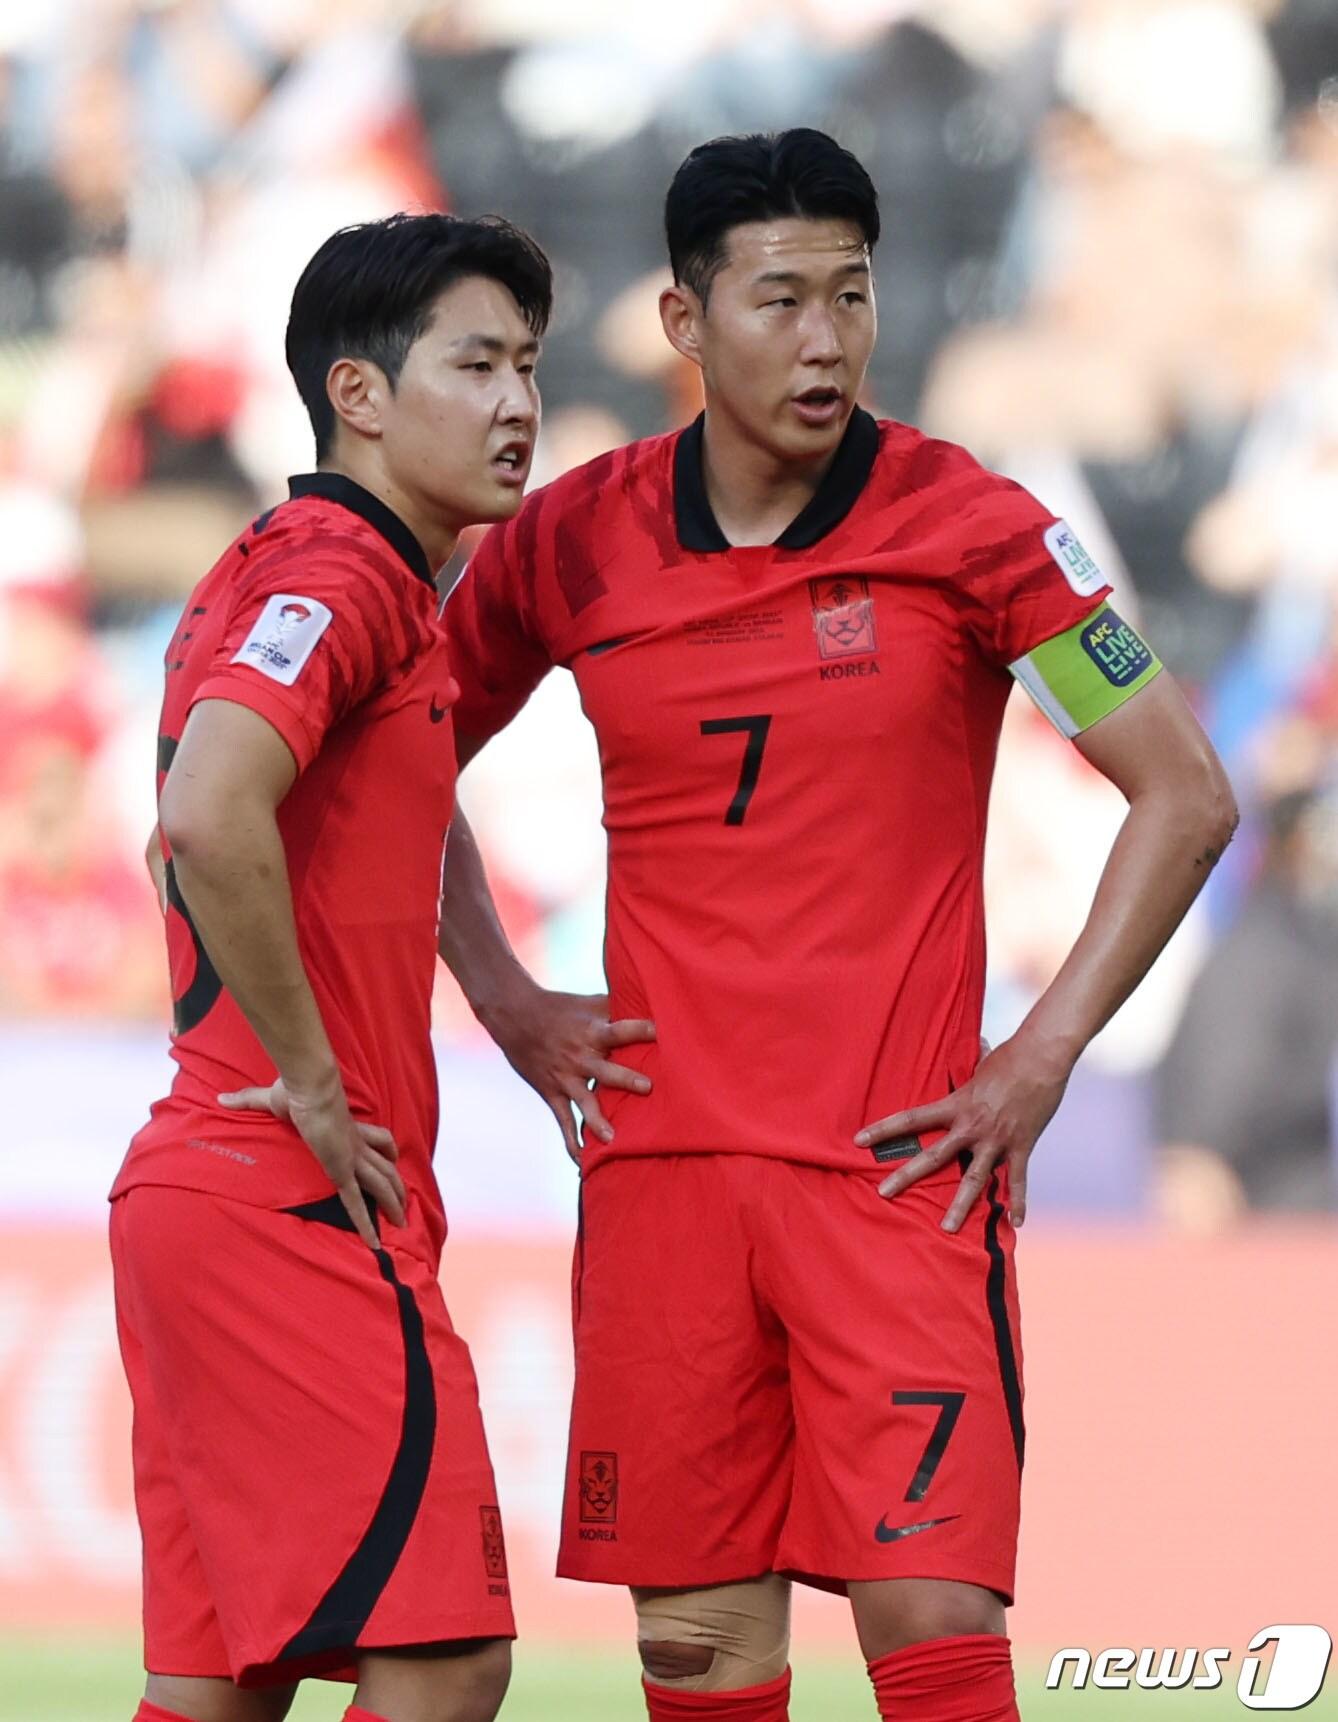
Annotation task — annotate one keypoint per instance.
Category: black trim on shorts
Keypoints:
(340, 1616)
(330, 1211)
(1003, 1333)
(578, 1278)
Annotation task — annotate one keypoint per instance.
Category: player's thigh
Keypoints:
(213, 1700)
(906, 1366)
(681, 1432)
(463, 1681)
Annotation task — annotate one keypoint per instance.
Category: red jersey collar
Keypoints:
(348, 493)
(698, 529)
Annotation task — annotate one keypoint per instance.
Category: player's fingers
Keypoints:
(1017, 1186)
(926, 1161)
(619, 1076)
(592, 1114)
(378, 1137)
(937, 1115)
(387, 1170)
(628, 1031)
(381, 1182)
(561, 1110)
(971, 1187)
(248, 1100)
(356, 1208)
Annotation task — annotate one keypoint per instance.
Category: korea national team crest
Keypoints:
(494, 1547)
(843, 616)
(599, 1488)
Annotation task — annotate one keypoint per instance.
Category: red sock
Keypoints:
(354, 1714)
(155, 1713)
(947, 1680)
(769, 1703)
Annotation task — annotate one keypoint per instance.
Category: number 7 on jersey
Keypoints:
(755, 728)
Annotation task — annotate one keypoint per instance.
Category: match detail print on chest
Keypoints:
(833, 614)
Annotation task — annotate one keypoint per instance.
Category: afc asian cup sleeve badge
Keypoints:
(284, 636)
(843, 616)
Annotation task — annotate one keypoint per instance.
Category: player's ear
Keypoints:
(358, 390)
(681, 313)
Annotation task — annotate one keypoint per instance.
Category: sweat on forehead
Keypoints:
(795, 251)
(797, 234)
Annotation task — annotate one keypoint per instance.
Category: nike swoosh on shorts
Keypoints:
(886, 1533)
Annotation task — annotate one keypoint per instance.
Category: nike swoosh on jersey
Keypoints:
(886, 1533)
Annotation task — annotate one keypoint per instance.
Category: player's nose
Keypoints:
(821, 344)
(519, 405)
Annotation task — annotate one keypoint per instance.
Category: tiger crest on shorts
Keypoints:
(599, 1488)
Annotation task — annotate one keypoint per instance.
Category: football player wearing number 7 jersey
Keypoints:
(794, 629)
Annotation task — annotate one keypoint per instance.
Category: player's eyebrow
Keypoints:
(792, 277)
(491, 344)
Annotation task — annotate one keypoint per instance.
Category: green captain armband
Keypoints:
(1086, 672)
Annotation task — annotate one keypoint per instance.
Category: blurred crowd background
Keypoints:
(1109, 267)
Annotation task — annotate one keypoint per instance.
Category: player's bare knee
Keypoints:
(493, 1678)
(462, 1680)
(490, 1668)
(206, 1700)
(664, 1660)
(721, 1639)
(891, 1614)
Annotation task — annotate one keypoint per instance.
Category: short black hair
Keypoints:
(368, 293)
(761, 177)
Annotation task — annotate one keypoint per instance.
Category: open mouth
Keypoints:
(820, 404)
(512, 461)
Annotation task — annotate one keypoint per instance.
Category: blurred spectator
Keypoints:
(79, 927)
(52, 684)
(1247, 1088)
(78, 931)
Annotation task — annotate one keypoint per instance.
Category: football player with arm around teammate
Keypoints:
(794, 629)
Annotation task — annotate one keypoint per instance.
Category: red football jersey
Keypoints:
(796, 744)
(322, 617)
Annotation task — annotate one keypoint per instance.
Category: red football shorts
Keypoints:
(311, 1474)
(777, 1369)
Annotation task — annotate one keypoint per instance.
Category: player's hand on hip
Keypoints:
(562, 1044)
(356, 1157)
(996, 1119)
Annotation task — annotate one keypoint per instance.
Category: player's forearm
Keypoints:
(1168, 845)
(471, 939)
(233, 876)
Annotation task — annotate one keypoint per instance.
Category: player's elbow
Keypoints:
(1205, 803)
(180, 831)
(191, 823)
(1218, 808)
